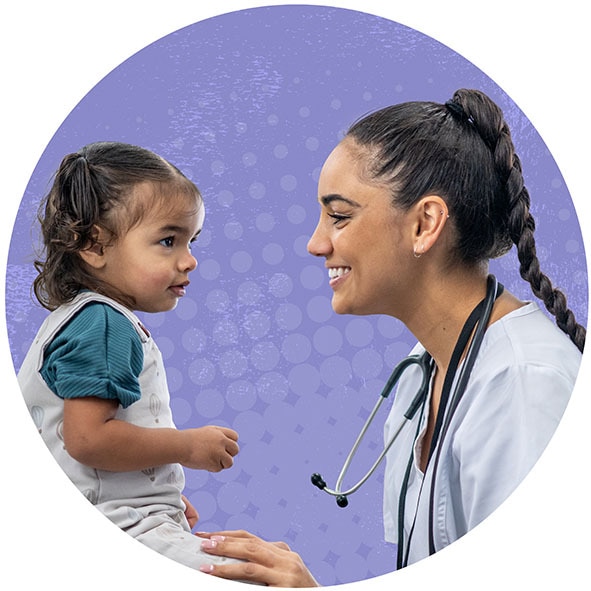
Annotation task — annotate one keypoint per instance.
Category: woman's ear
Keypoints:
(432, 215)
(94, 254)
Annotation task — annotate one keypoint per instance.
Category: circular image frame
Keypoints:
(241, 263)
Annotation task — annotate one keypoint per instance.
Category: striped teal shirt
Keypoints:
(98, 353)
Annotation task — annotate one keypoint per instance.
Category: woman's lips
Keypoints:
(337, 274)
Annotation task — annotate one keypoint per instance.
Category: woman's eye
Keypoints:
(337, 217)
(168, 242)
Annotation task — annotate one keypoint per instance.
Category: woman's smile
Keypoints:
(336, 275)
(363, 268)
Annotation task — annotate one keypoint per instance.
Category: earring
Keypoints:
(418, 255)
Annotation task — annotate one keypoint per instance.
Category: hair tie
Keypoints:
(81, 158)
(458, 111)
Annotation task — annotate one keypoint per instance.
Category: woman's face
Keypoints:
(364, 239)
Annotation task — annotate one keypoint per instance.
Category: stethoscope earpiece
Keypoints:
(342, 501)
(424, 362)
(479, 318)
(318, 481)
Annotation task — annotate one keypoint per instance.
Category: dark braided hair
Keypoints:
(92, 189)
(462, 150)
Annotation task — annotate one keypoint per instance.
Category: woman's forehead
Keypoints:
(346, 168)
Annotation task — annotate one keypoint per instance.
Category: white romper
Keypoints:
(146, 504)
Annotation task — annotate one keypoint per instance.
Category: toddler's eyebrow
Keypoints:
(328, 199)
(173, 228)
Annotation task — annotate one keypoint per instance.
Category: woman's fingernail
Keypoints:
(209, 543)
(218, 538)
(206, 568)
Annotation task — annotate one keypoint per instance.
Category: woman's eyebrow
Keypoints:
(328, 199)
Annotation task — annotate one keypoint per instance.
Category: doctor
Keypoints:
(414, 202)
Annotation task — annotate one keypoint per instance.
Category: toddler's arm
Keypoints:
(94, 437)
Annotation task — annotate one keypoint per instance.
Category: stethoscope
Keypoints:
(476, 324)
(425, 362)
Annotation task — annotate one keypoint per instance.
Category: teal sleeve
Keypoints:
(97, 353)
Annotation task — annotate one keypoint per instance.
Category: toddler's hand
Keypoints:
(210, 448)
(190, 512)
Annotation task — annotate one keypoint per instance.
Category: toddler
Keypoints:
(117, 227)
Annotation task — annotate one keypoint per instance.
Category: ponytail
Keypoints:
(75, 202)
(488, 120)
(462, 150)
(92, 190)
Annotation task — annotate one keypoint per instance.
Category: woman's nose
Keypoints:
(319, 244)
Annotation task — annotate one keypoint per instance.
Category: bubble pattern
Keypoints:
(248, 105)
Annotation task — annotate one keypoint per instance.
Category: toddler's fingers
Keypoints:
(226, 462)
(233, 434)
(232, 448)
(230, 433)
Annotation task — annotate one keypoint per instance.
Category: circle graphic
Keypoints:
(248, 105)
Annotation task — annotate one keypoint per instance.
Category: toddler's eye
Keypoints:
(168, 241)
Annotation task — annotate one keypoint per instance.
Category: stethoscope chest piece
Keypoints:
(424, 362)
(479, 318)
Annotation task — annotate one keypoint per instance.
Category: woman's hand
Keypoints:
(270, 563)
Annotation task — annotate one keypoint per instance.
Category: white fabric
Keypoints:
(146, 504)
(517, 392)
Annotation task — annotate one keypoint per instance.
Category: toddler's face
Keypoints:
(152, 262)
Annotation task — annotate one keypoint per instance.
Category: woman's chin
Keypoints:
(340, 305)
(337, 304)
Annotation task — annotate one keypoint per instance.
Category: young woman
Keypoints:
(415, 201)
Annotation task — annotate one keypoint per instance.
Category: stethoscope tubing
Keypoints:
(424, 362)
(466, 370)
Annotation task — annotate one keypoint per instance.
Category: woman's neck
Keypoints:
(445, 306)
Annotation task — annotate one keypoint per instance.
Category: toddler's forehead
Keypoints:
(165, 201)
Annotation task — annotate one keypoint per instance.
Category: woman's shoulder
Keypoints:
(525, 359)
(527, 336)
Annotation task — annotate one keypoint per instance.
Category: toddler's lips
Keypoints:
(179, 290)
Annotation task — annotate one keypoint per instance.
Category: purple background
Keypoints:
(248, 105)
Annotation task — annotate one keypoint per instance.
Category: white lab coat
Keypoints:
(517, 392)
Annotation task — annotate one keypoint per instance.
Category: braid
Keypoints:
(520, 224)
